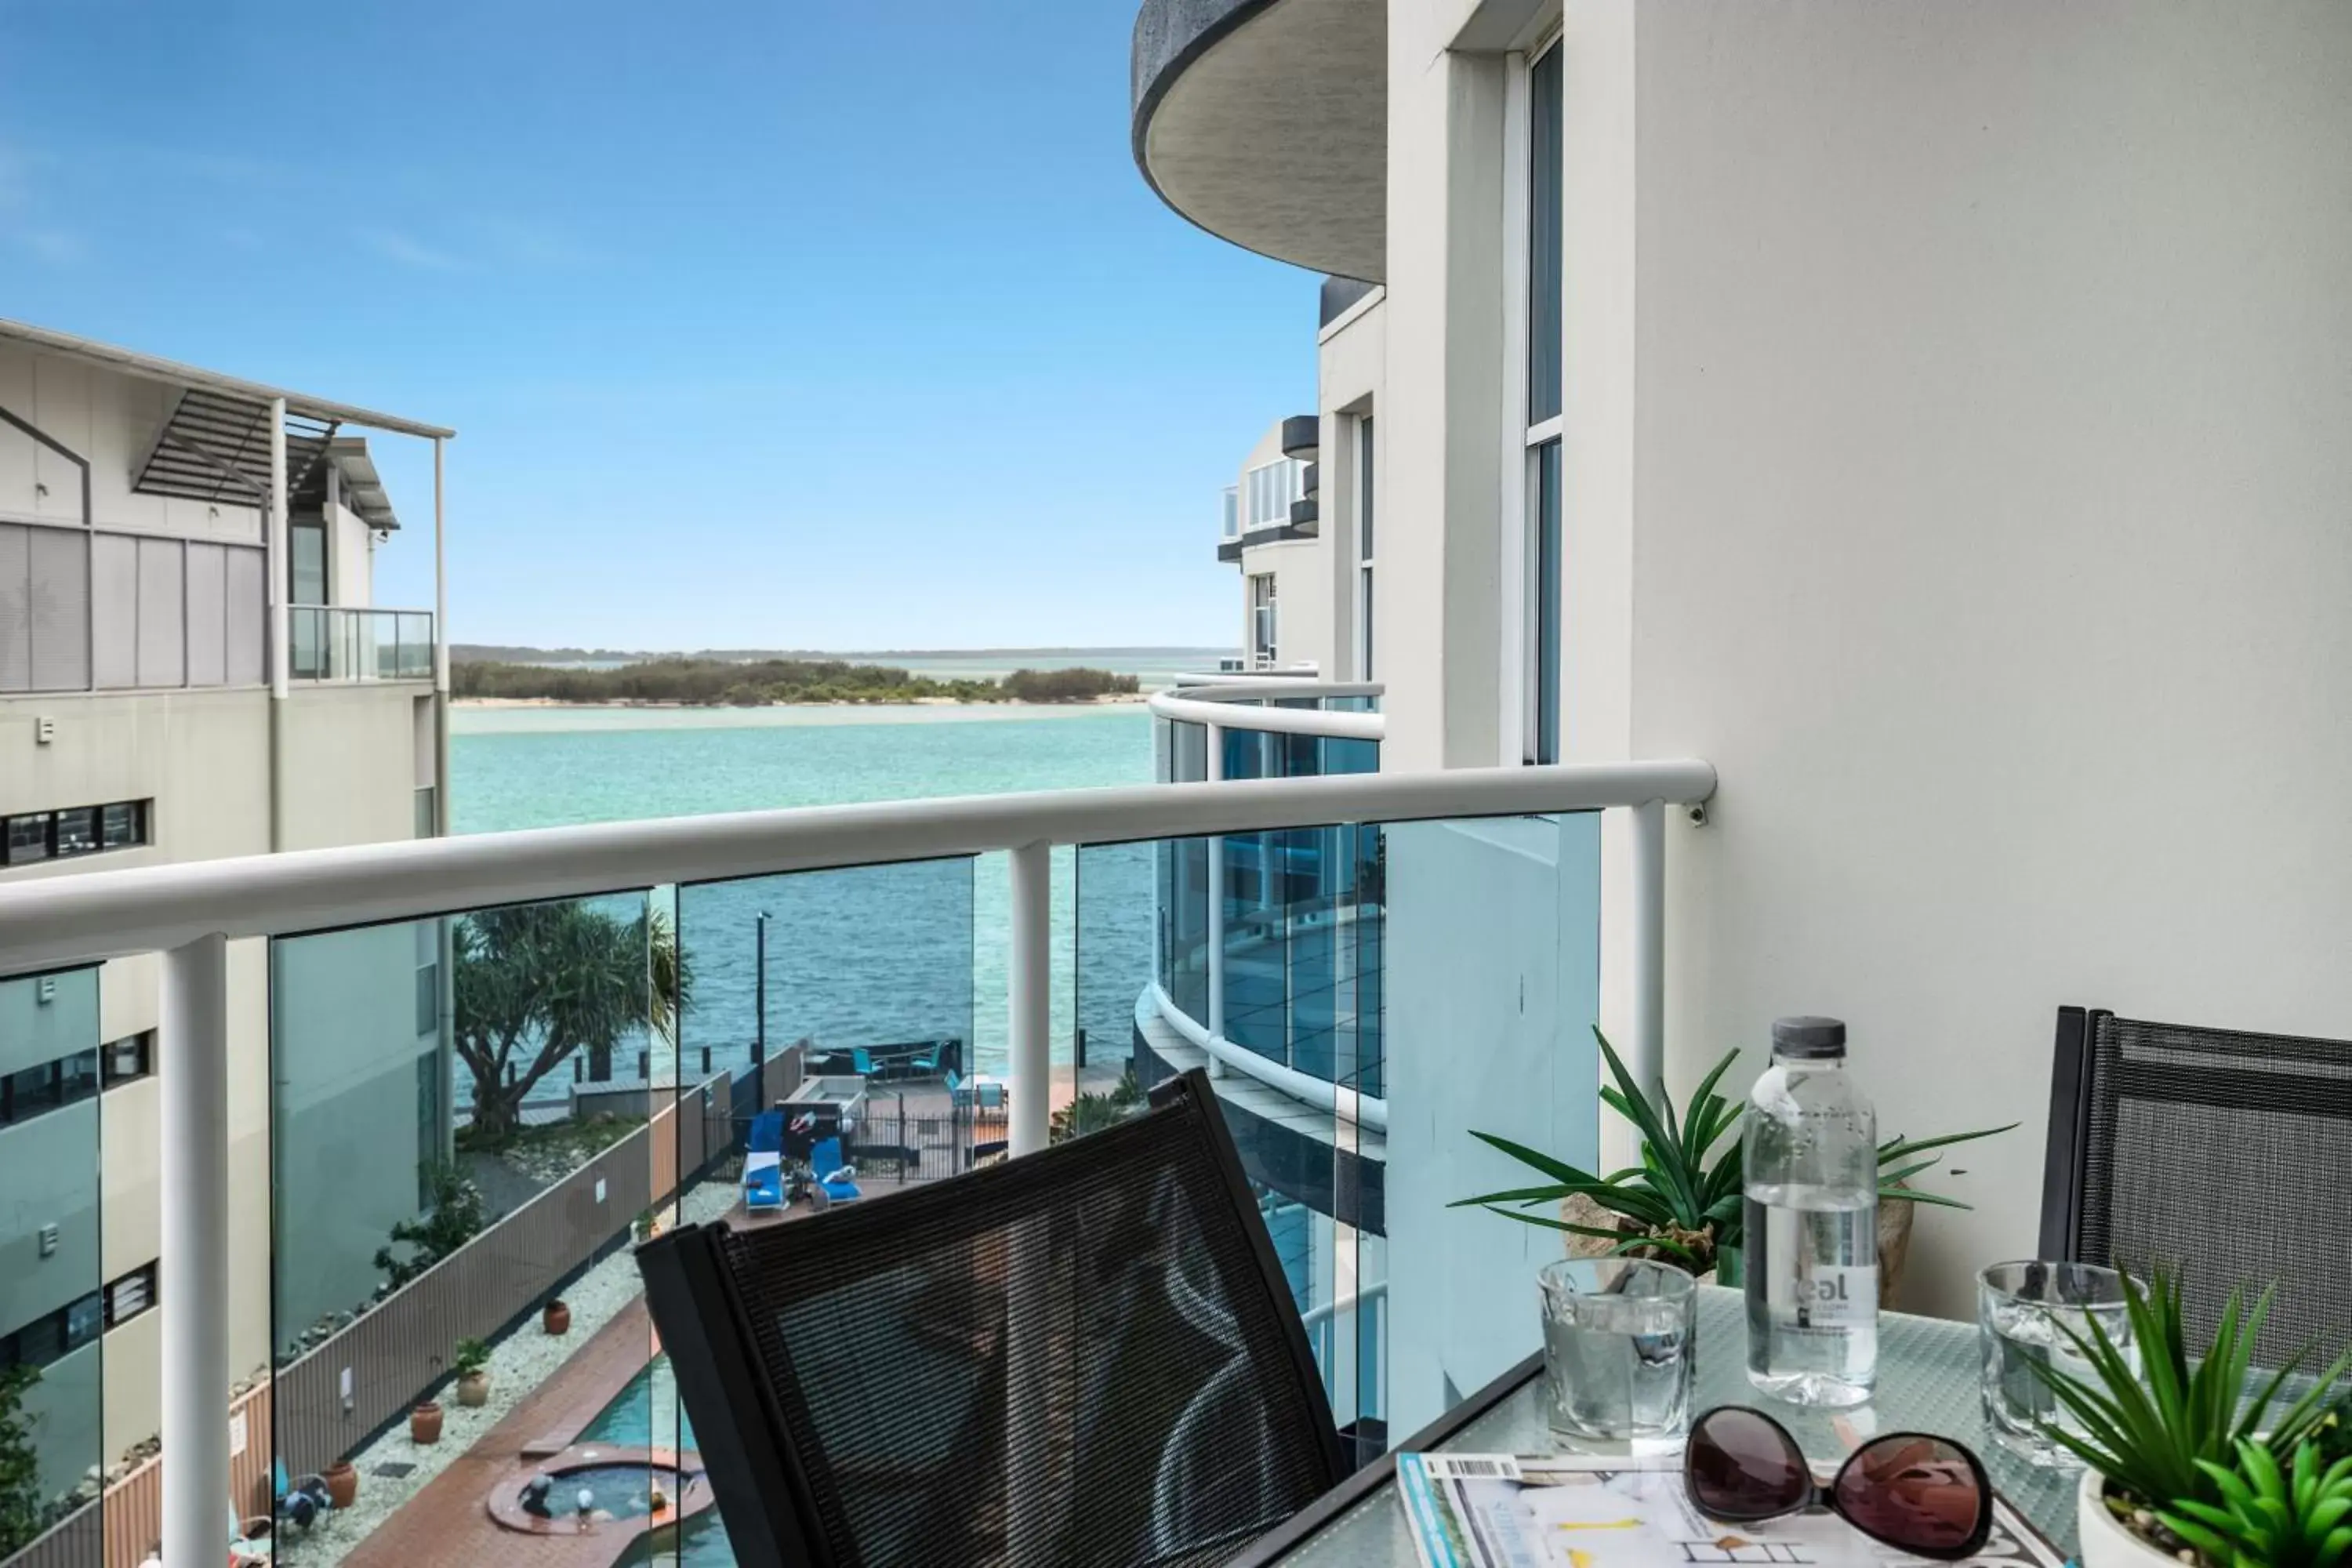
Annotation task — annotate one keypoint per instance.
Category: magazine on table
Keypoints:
(1575, 1510)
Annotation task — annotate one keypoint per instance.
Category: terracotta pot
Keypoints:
(424, 1424)
(1894, 1248)
(556, 1318)
(474, 1389)
(342, 1483)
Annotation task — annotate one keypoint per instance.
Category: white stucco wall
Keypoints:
(1991, 369)
(111, 420)
(1350, 371)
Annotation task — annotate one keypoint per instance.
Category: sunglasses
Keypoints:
(1918, 1493)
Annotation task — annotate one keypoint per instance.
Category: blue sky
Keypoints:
(801, 323)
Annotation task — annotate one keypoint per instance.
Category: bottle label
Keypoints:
(1826, 1297)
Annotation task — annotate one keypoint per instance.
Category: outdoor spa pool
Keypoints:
(645, 1414)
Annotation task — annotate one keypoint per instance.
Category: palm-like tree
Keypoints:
(535, 983)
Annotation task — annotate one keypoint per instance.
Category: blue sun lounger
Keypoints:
(763, 1164)
(839, 1183)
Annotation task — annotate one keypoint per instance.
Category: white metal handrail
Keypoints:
(106, 914)
(1234, 708)
(190, 910)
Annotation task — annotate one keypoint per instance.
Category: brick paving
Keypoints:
(448, 1523)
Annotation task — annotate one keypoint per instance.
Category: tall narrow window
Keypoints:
(1544, 568)
(1262, 620)
(1543, 561)
(1544, 231)
(307, 584)
(1366, 498)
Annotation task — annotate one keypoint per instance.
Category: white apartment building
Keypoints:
(1931, 412)
(192, 666)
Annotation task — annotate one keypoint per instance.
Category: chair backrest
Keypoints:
(2221, 1154)
(766, 1132)
(824, 1157)
(992, 1097)
(1082, 1358)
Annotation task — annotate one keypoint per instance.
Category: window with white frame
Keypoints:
(1233, 518)
(1543, 565)
(1367, 497)
(1262, 619)
(1272, 487)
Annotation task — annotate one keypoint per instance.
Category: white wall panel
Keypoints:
(163, 614)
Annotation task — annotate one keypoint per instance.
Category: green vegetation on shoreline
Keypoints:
(721, 683)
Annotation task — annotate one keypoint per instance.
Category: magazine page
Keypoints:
(1570, 1511)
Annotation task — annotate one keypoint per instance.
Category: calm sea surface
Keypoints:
(856, 957)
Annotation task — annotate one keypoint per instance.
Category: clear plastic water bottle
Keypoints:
(1812, 1258)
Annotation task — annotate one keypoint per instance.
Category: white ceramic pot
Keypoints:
(2105, 1543)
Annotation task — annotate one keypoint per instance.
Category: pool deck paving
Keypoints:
(449, 1521)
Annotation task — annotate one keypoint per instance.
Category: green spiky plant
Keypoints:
(2298, 1517)
(1675, 1205)
(2160, 1430)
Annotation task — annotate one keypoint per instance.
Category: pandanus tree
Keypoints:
(536, 983)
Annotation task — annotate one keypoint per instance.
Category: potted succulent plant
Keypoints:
(556, 1317)
(472, 1363)
(1685, 1202)
(2185, 1459)
(425, 1423)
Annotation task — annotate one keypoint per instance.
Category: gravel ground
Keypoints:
(520, 1363)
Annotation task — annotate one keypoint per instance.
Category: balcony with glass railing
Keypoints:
(338, 642)
(411, 1095)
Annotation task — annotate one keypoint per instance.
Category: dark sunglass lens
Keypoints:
(1742, 1465)
(1919, 1494)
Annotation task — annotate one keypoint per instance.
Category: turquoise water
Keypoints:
(647, 1413)
(649, 1401)
(858, 957)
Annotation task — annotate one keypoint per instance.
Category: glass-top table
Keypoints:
(1926, 1383)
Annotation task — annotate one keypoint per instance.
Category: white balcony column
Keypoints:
(1648, 935)
(1216, 894)
(193, 1066)
(278, 558)
(1030, 982)
(440, 648)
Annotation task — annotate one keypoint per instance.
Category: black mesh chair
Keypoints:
(1085, 1357)
(2226, 1156)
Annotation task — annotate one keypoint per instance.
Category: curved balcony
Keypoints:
(1266, 122)
(1270, 955)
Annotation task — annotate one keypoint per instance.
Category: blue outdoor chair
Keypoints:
(763, 1164)
(834, 1179)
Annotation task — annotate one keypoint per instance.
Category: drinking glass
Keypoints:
(2023, 1312)
(1620, 1341)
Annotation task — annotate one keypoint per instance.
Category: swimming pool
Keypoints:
(646, 1413)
